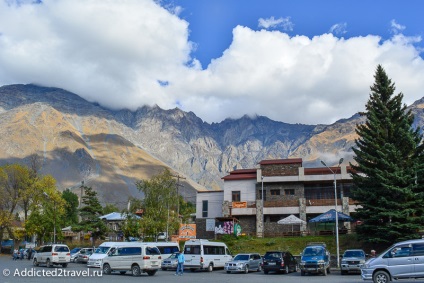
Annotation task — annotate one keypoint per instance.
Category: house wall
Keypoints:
(214, 198)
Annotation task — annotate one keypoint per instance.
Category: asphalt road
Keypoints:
(23, 271)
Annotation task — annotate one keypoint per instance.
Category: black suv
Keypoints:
(279, 261)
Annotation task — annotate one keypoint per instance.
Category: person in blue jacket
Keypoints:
(180, 266)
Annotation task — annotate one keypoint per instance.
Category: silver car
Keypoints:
(170, 263)
(352, 261)
(402, 260)
(244, 263)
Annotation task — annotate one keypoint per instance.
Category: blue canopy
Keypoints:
(330, 216)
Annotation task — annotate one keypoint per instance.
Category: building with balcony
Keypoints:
(257, 198)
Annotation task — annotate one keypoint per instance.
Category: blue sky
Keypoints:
(300, 61)
(212, 21)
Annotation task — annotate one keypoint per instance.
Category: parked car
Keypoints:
(56, 254)
(162, 236)
(83, 255)
(352, 260)
(244, 263)
(315, 258)
(400, 261)
(170, 262)
(74, 253)
(279, 261)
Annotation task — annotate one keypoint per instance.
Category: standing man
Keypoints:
(373, 254)
(180, 266)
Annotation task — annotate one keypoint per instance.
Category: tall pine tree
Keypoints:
(387, 154)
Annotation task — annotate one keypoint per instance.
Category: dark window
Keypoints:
(192, 249)
(289, 192)
(235, 195)
(205, 208)
(168, 250)
(152, 251)
(275, 192)
(418, 249)
(213, 250)
(47, 249)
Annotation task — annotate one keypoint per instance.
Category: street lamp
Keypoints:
(263, 216)
(337, 215)
(54, 219)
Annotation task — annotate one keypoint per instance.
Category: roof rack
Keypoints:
(317, 244)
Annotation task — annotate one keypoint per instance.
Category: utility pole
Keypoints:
(177, 189)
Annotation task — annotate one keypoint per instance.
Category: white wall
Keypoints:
(246, 188)
(215, 200)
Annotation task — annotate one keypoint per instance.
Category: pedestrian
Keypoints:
(29, 253)
(180, 266)
(373, 254)
(15, 254)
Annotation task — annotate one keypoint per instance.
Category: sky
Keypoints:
(303, 61)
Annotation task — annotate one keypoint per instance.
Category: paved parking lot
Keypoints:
(24, 271)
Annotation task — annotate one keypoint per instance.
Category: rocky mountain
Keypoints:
(110, 150)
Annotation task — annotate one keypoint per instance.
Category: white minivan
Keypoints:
(204, 254)
(166, 248)
(95, 259)
(134, 257)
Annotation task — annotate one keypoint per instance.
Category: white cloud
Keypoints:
(338, 29)
(396, 28)
(134, 53)
(273, 23)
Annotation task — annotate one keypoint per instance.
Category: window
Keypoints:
(192, 250)
(418, 249)
(289, 192)
(152, 251)
(275, 192)
(205, 208)
(235, 195)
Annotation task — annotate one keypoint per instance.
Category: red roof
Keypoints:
(239, 177)
(281, 161)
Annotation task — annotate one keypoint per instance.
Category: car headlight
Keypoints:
(302, 262)
(240, 264)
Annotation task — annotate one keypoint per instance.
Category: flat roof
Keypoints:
(281, 161)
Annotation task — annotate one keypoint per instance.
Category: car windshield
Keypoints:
(272, 255)
(173, 256)
(61, 249)
(241, 257)
(101, 250)
(313, 252)
(354, 254)
(75, 250)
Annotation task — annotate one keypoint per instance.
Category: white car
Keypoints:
(56, 254)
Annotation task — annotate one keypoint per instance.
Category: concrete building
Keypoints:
(287, 188)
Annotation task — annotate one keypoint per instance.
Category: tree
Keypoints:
(47, 210)
(387, 156)
(90, 215)
(109, 208)
(71, 207)
(159, 203)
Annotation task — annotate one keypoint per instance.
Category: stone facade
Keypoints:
(280, 169)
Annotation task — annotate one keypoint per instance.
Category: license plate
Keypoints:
(61, 258)
(271, 263)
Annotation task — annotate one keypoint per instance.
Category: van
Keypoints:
(95, 259)
(53, 255)
(315, 258)
(203, 254)
(135, 257)
(402, 260)
(166, 248)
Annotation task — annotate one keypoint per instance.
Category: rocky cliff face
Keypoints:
(110, 150)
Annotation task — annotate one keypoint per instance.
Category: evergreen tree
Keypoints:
(387, 154)
(90, 213)
(71, 207)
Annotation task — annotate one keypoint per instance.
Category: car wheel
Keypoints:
(35, 262)
(106, 268)
(135, 270)
(246, 269)
(48, 263)
(286, 269)
(210, 267)
(381, 277)
(151, 272)
(64, 265)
